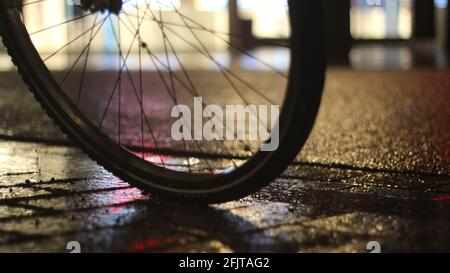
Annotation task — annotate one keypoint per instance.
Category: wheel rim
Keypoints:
(157, 153)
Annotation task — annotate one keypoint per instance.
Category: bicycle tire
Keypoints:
(306, 79)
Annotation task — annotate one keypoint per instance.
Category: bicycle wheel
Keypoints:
(116, 76)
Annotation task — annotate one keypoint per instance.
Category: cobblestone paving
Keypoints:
(51, 194)
(309, 208)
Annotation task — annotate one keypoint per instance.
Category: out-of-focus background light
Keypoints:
(381, 19)
(442, 4)
(269, 17)
(208, 5)
(378, 20)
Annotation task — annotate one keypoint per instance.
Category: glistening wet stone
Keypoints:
(375, 169)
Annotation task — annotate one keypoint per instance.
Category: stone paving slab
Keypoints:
(308, 209)
(390, 120)
(376, 168)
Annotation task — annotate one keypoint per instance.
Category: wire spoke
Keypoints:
(165, 43)
(83, 74)
(61, 24)
(167, 88)
(172, 84)
(82, 53)
(199, 26)
(192, 86)
(140, 101)
(190, 89)
(72, 41)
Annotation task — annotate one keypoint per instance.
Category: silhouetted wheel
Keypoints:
(116, 77)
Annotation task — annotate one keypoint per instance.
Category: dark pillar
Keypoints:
(339, 38)
(442, 27)
(448, 29)
(233, 19)
(424, 19)
(241, 29)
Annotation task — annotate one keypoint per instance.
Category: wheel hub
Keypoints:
(113, 6)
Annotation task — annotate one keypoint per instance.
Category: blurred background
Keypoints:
(365, 34)
(375, 167)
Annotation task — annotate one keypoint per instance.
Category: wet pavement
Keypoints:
(376, 168)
